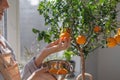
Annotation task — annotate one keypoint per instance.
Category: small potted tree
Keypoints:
(89, 23)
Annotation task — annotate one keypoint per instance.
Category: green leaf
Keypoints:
(35, 31)
(101, 1)
(68, 54)
(40, 37)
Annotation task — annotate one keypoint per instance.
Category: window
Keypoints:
(29, 18)
(22, 17)
(3, 25)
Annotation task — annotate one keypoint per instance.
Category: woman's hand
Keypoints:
(41, 74)
(58, 45)
(53, 47)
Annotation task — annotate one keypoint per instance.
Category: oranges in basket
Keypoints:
(58, 69)
(62, 71)
(53, 71)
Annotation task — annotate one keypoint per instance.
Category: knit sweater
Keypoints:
(29, 68)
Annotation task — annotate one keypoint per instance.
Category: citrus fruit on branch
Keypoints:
(81, 39)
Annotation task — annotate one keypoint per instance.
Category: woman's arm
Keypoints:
(29, 68)
(36, 62)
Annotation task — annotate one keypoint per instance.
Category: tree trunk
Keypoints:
(82, 65)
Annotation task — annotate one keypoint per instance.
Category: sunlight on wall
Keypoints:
(34, 2)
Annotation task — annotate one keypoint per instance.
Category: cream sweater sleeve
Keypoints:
(29, 68)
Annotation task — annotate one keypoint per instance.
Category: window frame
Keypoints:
(13, 31)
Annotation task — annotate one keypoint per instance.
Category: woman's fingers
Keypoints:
(61, 42)
(53, 43)
(58, 45)
(64, 44)
(68, 42)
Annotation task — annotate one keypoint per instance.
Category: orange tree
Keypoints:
(90, 24)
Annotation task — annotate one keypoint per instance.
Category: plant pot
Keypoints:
(87, 75)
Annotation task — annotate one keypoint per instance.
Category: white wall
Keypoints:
(109, 64)
(104, 64)
(92, 64)
(29, 18)
(109, 61)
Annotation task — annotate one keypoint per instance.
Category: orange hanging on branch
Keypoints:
(111, 42)
(97, 29)
(117, 38)
(118, 32)
(81, 39)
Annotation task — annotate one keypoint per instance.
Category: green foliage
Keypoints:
(68, 54)
(81, 16)
(42, 35)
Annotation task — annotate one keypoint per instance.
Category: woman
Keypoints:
(33, 70)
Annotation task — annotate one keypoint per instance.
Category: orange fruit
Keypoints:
(62, 71)
(118, 32)
(81, 39)
(96, 29)
(53, 71)
(64, 35)
(110, 45)
(53, 65)
(117, 38)
(111, 42)
(111, 39)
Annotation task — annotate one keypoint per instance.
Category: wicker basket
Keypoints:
(63, 63)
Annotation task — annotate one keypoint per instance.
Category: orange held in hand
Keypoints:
(81, 39)
(64, 35)
(111, 42)
(97, 29)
